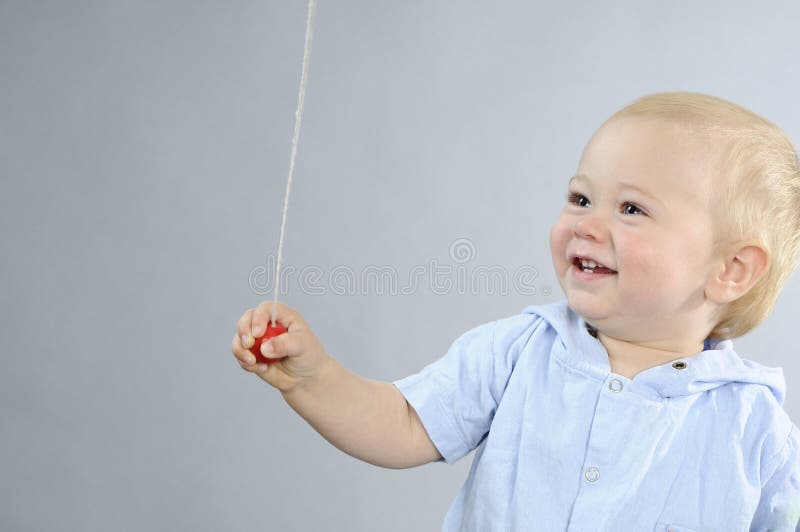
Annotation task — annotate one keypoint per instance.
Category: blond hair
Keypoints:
(756, 192)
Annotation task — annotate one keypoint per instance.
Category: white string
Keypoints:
(298, 115)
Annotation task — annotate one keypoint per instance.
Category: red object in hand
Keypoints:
(271, 333)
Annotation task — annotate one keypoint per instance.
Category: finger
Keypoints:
(288, 317)
(258, 322)
(284, 345)
(247, 367)
(243, 325)
(242, 354)
(271, 376)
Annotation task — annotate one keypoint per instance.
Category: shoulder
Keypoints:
(789, 450)
(534, 327)
(515, 331)
(531, 321)
(767, 426)
(781, 442)
(760, 391)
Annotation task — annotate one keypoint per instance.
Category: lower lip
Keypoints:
(580, 275)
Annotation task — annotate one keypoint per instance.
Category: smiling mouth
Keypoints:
(577, 262)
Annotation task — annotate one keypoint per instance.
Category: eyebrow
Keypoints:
(630, 186)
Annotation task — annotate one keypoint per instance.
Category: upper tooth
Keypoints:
(589, 263)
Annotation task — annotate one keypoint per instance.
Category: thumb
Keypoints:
(285, 345)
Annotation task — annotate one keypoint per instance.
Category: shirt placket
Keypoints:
(624, 430)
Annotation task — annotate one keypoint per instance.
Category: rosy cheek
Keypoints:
(559, 234)
(561, 226)
(638, 258)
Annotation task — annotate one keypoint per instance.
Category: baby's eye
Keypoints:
(574, 197)
(635, 207)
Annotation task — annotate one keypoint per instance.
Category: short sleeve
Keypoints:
(456, 396)
(779, 506)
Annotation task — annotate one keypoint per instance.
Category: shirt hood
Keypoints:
(714, 367)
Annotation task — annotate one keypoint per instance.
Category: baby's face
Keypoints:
(655, 237)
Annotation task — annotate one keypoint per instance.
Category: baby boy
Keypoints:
(624, 406)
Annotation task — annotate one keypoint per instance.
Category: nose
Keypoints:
(589, 226)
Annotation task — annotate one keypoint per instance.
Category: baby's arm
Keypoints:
(369, 420)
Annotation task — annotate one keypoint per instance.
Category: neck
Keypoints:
(628, 358)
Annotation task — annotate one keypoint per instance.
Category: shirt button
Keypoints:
(615, 385)
(680, 364)
(592, 474)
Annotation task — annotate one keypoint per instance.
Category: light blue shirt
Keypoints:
(699, 444)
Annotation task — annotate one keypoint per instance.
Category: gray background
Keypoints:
(143, 154)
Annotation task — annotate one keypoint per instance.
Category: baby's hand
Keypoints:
(301, 354)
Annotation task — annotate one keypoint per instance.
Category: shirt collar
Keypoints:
(711, 368)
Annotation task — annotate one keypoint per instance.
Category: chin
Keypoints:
(586, 305)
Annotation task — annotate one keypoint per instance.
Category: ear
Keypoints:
(740, 268)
